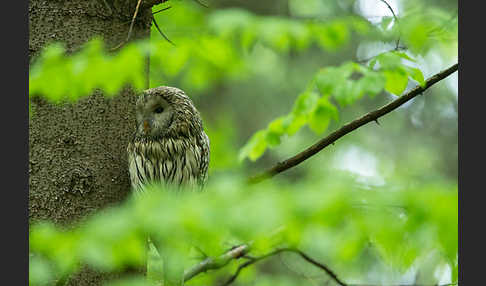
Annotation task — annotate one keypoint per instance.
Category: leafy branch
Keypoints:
(347, 128)
(216, 263)
(242, 250)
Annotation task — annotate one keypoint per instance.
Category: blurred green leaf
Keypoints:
(334, 222)
(396, 80)
(255, 147)
(385, 22)
(416, 74)
(40, 273)
(333, 36)
(322, 115)
(372, 83)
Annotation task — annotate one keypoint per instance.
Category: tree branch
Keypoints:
(240, 268)
(347, 128)
(216, 263)
(241, 251)
(317, 264)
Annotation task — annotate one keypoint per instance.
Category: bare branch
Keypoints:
(396, 20)
(347, 128)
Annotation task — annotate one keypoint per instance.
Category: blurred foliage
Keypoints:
(380, 204)
(220, 53)
(58, 77)
(217, 54)
(317, 110)
(333, 221)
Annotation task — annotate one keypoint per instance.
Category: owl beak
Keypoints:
(146, 127)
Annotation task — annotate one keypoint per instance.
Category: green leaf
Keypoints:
(327, 79)
(275, 33)
(415, 35)
(331, 37)
(389, 60)
(372, 83)
(360, 25)
(348, 92)
(373, 63)
(455, 272)
(305, 103)
(396, 80)
(40, 272)
(294, 123)
(255, 147)
(416, 74)
(274, 131)
(404, 56)
(385, 22)
(322, 115)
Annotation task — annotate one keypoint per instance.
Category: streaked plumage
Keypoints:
(169, 144)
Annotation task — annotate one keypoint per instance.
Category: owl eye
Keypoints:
(159, 109)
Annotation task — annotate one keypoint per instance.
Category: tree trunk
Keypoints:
(77, 161)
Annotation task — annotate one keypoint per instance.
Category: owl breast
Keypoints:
(176, 162)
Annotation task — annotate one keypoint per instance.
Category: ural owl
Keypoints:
(169, 144)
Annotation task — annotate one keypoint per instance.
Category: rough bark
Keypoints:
(77, 162)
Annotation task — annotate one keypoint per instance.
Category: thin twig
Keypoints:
(130, 29)
(303, 255)
(160, 31)
(347, 128)
(163, 9)
(317, 264)
(238, 270)
(396, 20)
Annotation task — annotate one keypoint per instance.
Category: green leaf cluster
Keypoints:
(59, 77)
(285, 34)
(344, 84)
(201, 60)
(333, 221)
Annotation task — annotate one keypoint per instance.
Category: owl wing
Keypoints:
(135, 177)
(204, 162)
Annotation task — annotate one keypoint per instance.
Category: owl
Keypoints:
(169, 145)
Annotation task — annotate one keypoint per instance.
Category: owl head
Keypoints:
(166, 112)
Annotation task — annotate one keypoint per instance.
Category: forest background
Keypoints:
(270, 78)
